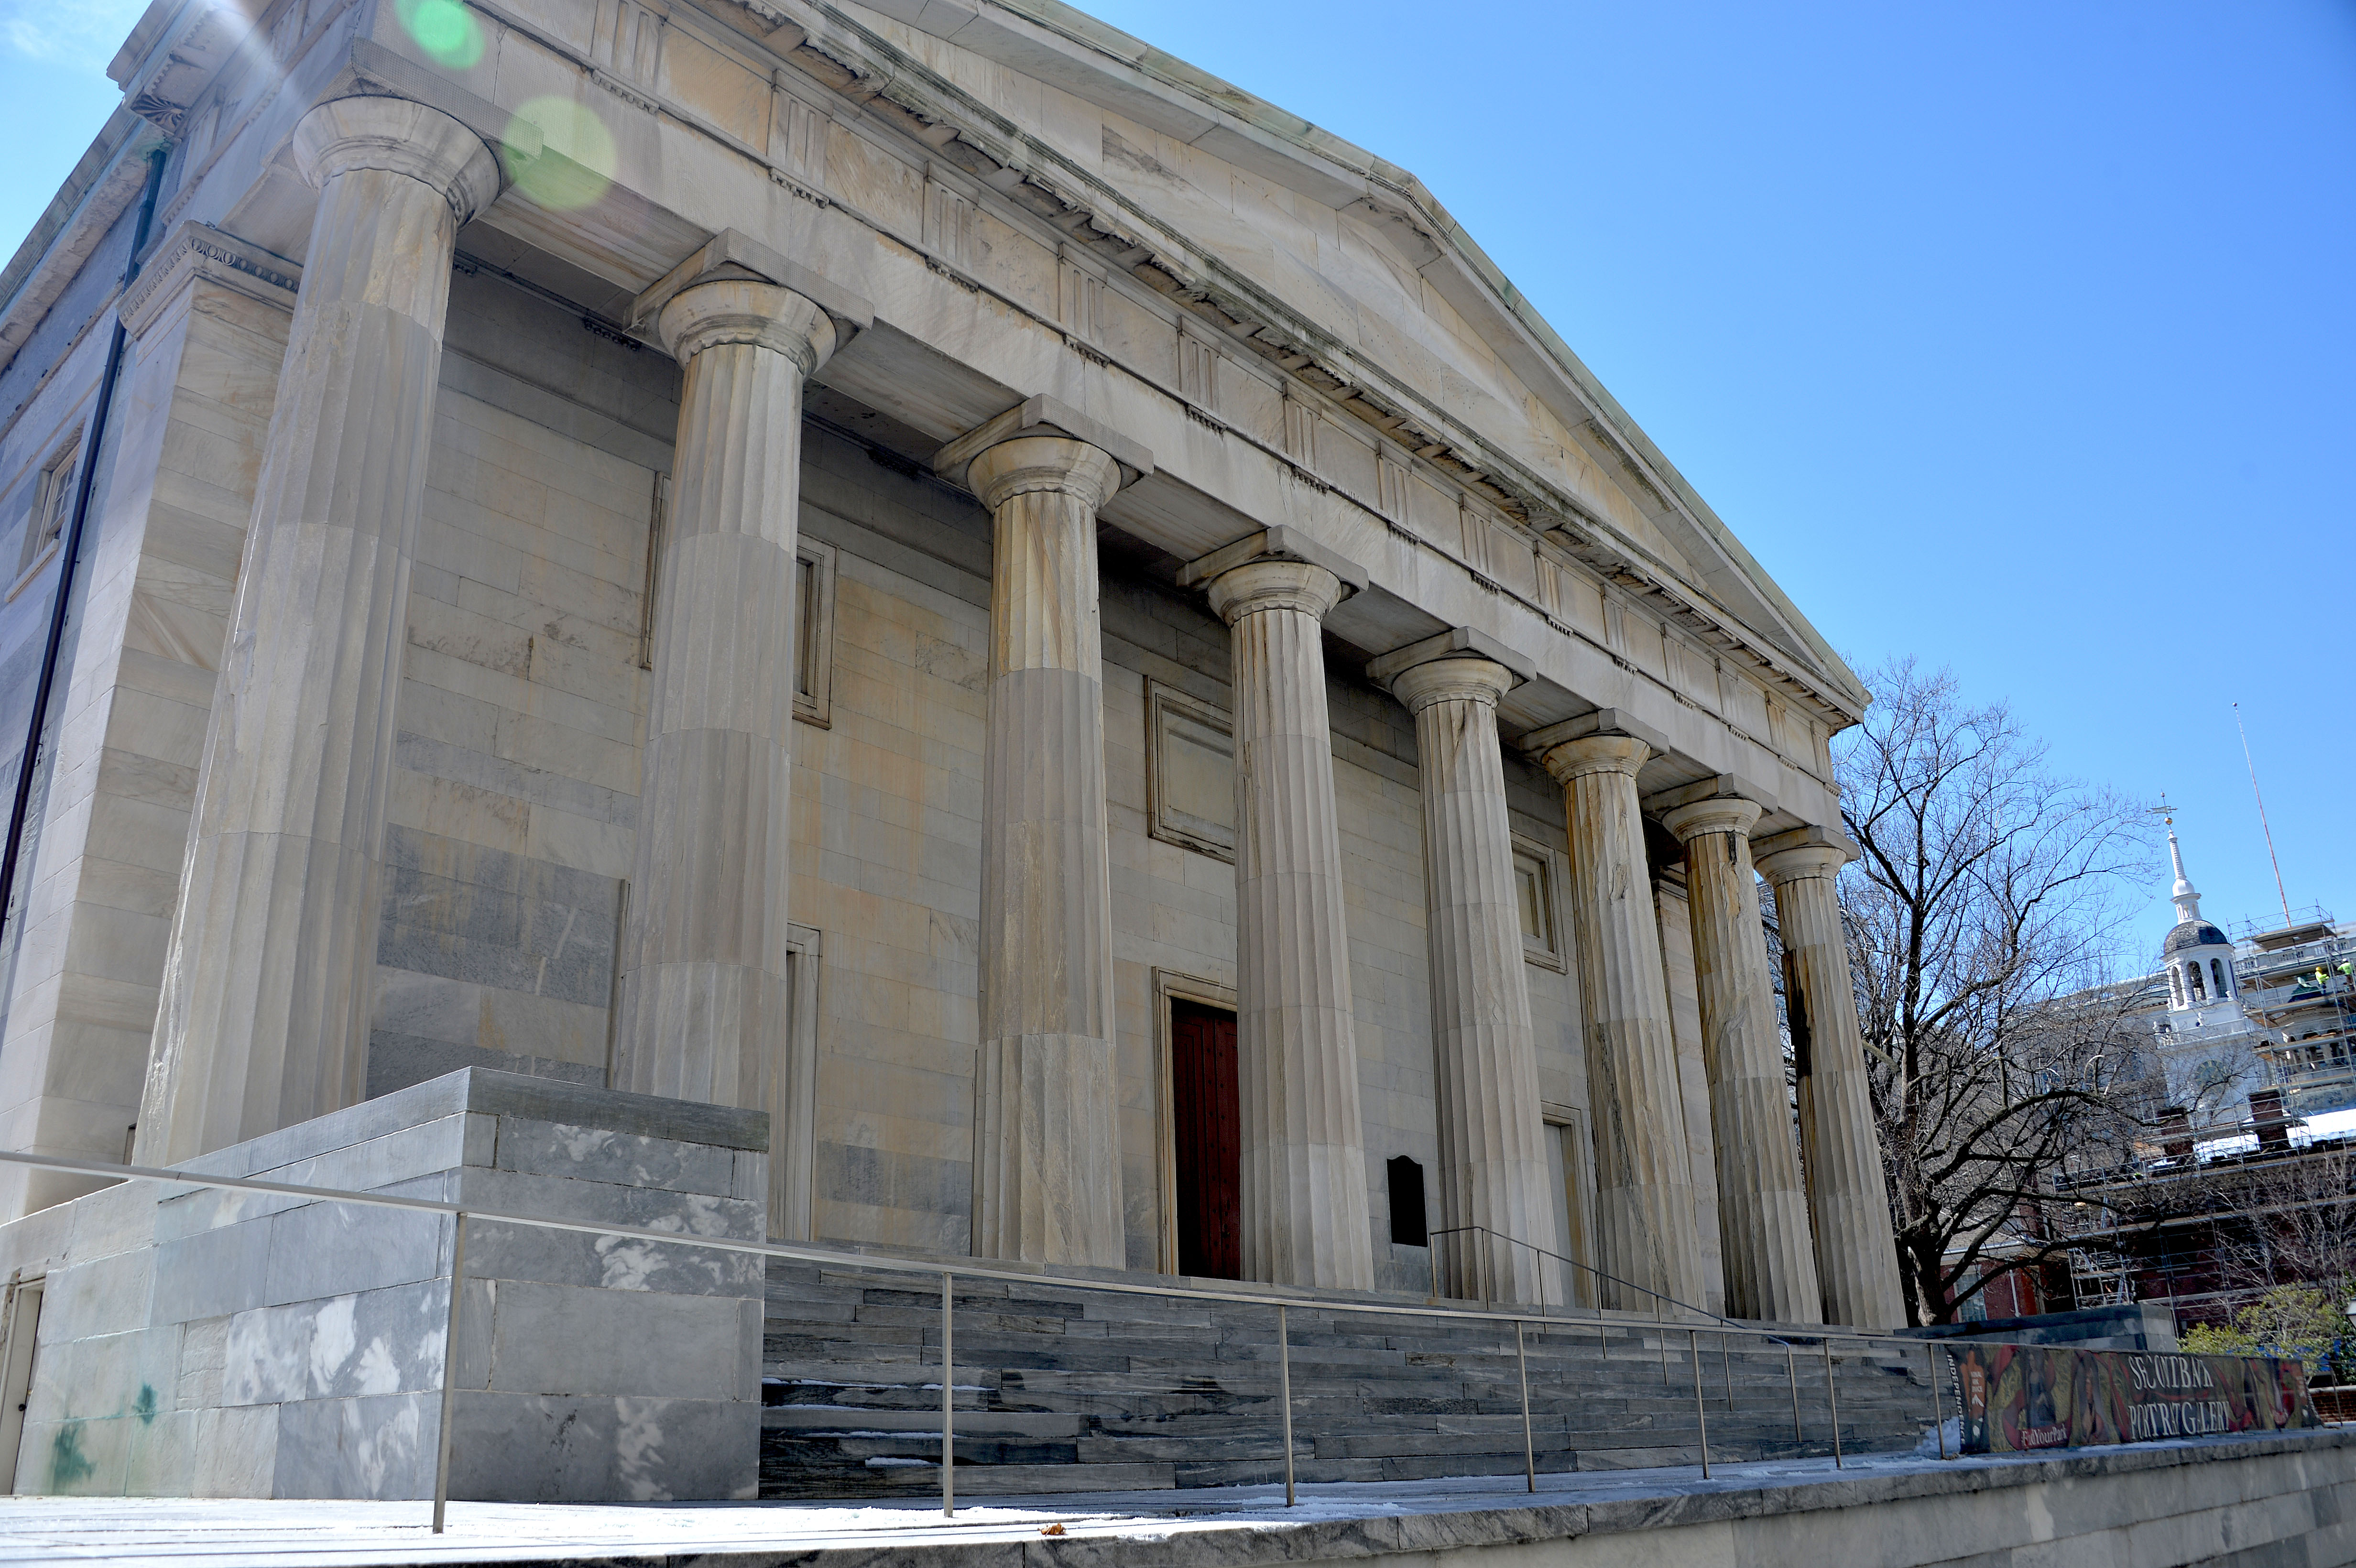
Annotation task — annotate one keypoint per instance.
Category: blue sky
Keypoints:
(2015, 338)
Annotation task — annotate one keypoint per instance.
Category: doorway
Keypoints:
(24, 1312)
(1207, 1136)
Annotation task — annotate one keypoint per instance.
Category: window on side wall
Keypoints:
(1190, 772)
(813, 632)
(1534, 895)
(52, 503)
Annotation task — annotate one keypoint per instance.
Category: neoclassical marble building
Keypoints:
(930, 570)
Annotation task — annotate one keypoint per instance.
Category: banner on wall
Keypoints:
(2019, 1398)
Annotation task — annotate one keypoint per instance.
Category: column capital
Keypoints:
(1279, 544)
(403, 138)
(1456, 643)
(1725, 815)
(1597, 753)
(1614, 724)
(732, 255)
(1461, 680)
(740, 310)
(1804, 852)
(1030, 420)
(1031, 463)
(1270, 584)
(1717, 786)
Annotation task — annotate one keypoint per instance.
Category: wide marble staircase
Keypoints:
(1059, 1388)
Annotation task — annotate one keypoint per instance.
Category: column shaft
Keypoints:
(1048, 1183)
(1304, 1165)
(267, 983)
(1769, 1266)
(705, 992)
(1494, 1169)
(1857, 1258)
(1643, 1180)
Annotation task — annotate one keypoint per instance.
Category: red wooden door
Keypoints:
(1208, 1112)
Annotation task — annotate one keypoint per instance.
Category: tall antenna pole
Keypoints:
(2262, 814)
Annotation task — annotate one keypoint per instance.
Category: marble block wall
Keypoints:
(514, 805)
(225, 1344)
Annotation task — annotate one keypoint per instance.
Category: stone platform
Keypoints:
(220, 1343)
(2280, 1502)
(1062, 1388)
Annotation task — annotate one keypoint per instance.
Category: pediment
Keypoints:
(1334, 265)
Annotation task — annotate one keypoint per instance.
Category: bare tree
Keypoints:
(2287, 1220)
(1990, 894)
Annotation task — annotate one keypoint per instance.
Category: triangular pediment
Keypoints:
(1340, 267)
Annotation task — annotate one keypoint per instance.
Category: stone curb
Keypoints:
(1251, 1543)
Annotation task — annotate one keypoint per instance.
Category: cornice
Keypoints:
(200, 250)
(95, 198)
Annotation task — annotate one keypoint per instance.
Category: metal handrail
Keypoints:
(1488, 1274)
(1787, 1336)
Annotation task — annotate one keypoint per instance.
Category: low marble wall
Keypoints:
(216, 1343)
(2138, 1326)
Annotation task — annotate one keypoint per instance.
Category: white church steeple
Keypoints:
(2199, 956)
(2188, 902)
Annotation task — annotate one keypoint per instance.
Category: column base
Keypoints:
(1046, 1112)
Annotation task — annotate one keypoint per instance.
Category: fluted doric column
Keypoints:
(1644, 1179)
(704, 983)
(267, 996)
(1304, 1164)
(1046, 1145)
(1493, 1170)
(1763, 1211)
(1856, 1260)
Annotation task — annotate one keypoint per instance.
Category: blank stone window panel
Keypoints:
(814, 627)
(657, 510)
(1571, 1154)
(1534, 881)
(52, 505)
(1190, 772)
(793, 1098)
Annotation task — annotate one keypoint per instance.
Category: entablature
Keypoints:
(1254, 429)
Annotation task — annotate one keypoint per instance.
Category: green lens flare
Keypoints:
(445, 29)
(577, 158)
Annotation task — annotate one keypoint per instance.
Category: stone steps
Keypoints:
(1058, 1388)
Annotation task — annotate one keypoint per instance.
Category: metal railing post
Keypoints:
(1791, 1372)
(1284, 1395)
(1725, 1369)
(1693, 1342)
(1529, 1444)
(449, 1369)
(1661, 1333)
(948, 1407)
(1938, 1410)
(1488, 1269)
(1832, 1397)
